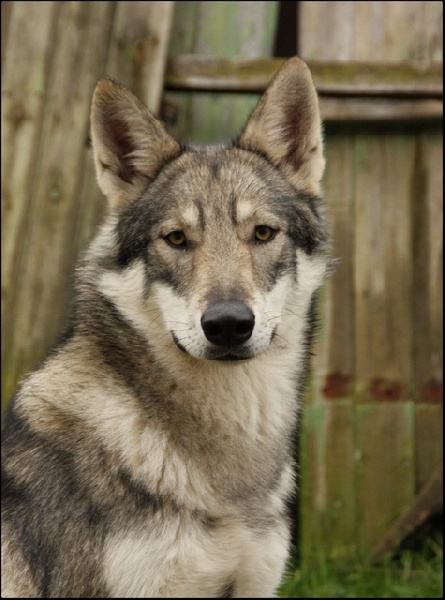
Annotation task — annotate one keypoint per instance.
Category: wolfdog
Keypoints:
(151, 455)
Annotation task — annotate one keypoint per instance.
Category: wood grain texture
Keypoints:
(385, 460)
(217, 30)
(395, 285)
(54, 54)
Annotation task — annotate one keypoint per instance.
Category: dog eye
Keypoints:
(176, 239)
(264, 233)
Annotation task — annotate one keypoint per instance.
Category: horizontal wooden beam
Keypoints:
(349, 91)
(367, 110)
(191, 72)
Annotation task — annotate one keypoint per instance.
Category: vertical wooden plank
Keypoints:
(24, 78)
(385, 485)
(333, 363)
(326, 30)
(312, 490)
(328, 503)
(89, 204)
(379, 31)
(55, 54)
(328, 500)
(386, 26)
(339, 185)
(383, 252)
(223, 29)
(136, 53)
(385, 427)
(428, 308)
(374, 31)
(340, 534)
(328, 506)
(428, 256)
(385, 180)
(429, 29)
(139, 48)
(429, 441)
(386, 186)
(6, 8)
(42, 276)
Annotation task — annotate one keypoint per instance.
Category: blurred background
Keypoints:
(370, 441)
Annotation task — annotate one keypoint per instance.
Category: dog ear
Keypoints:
(286, 126)
(129, 143)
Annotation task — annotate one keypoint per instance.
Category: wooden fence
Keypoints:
(53, 55)
(371, 435)
(373, 424)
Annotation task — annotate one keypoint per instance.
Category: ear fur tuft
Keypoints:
(129, 143)
(286, 126)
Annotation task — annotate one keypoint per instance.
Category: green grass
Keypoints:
(410, 575)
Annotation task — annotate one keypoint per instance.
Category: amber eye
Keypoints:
(176, 239)
(264, 233)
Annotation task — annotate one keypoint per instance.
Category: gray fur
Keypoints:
(142, 460)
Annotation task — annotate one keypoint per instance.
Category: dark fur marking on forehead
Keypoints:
(299, 209)
(137, 218)
(201, 213)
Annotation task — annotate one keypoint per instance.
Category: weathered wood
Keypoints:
(139, 47)
(328, 497)
(429, 441)
(378, 31)
(24, 76)
(191, 72)
(218, 29)
(428, 305)
(55, 53)
(384, 340)
(333, 363)
(427, 503)
(325, 30)
(6, 10)
(328, 501)
(428, 271)
(137, 54)
(348, 91)
(385, 459)
(391, 110)
(399, 31)
(43, 275)
(386, 186)
(383, 258)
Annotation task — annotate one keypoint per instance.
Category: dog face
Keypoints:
(212, 236)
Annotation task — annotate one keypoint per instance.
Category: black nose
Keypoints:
(228, 323)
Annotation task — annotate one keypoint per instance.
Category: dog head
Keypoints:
(218, 240)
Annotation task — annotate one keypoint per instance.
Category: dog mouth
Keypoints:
(230, 356)
(222, 353)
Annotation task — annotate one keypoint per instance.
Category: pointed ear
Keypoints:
(286, 126)
(129, 143)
